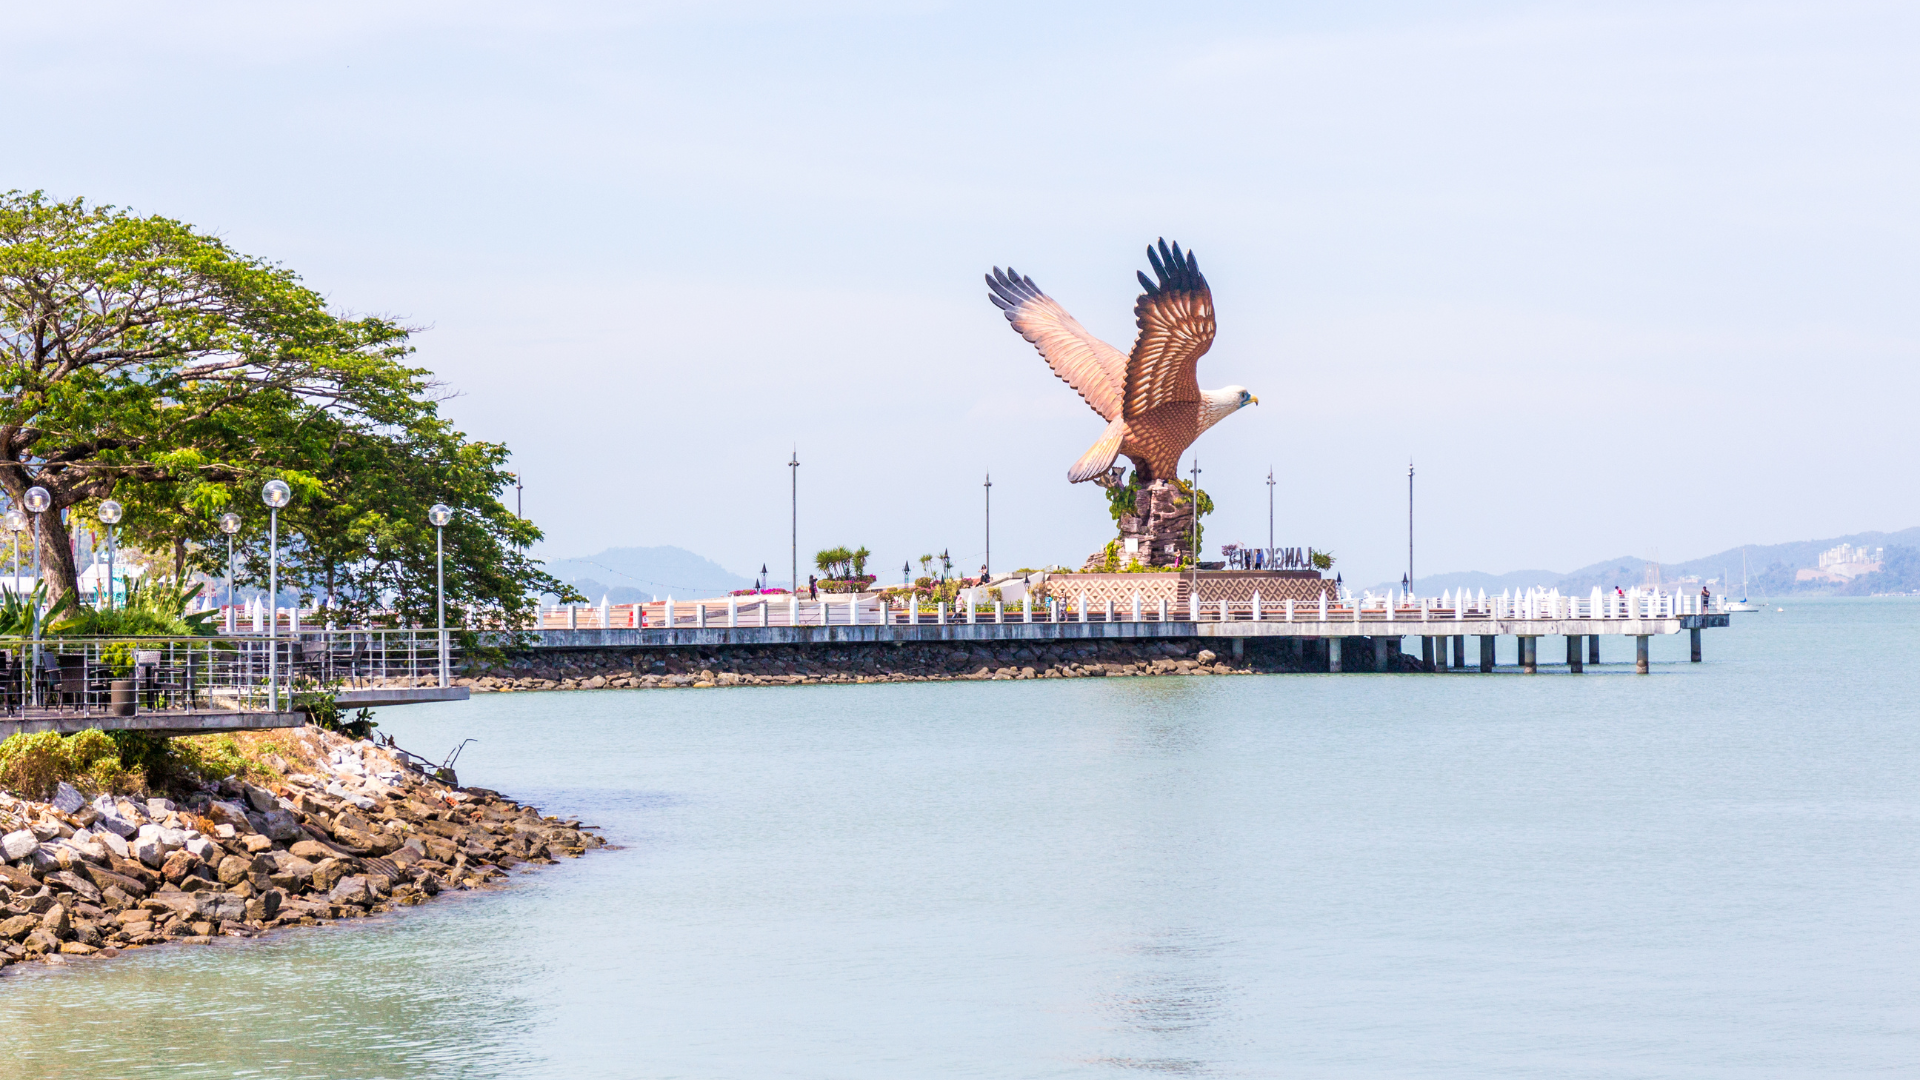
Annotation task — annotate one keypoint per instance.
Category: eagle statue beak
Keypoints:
(1256, 401)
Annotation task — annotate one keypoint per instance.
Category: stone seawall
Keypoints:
(735, 665)
(354, 833)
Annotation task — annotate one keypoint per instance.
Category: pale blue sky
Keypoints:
(1621, 278)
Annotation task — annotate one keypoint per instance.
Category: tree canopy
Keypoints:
(143, 359)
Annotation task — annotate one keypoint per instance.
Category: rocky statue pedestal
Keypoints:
(1158, 533)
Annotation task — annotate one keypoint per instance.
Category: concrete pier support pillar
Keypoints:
(1593, 648)
(1530, 655)
(1573, 654)
(1379, 654)
(1333, 654)
(1426, 651)
(1695, 634)
(1486, 652)
(1460, 651)
(1239, 647)
(1640, 654)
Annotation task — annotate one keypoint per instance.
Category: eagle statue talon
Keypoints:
(1149, 397)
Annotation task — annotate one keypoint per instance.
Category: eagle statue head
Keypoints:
(1217, 405)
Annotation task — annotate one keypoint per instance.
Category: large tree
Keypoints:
(141, 357)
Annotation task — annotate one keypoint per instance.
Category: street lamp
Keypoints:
(37, 500)
(906, 573)
(275, 494)
(763, 577)
(16, 524)
(230, 524)
(986, 564)
(1270, 547)
(794, 465)
(440, 514)
(110, 516)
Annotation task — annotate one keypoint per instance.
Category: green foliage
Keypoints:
(207, 759)
(324, 711)
(33, 765)
(16, 612)
(142, 359)
(1320, 560)
(834, 562)
(1120, 497)
(152, 609)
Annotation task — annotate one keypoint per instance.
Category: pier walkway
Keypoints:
(1333, 630)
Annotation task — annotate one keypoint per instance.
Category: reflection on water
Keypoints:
(1707, 871)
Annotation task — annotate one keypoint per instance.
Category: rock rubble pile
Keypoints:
(359, 834)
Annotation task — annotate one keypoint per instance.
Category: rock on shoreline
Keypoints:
(357, 834)
(911, 662)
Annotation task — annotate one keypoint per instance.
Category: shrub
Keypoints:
(32, 765)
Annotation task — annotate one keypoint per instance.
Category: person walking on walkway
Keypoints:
(813, 587)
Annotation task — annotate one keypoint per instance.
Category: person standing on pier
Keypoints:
(813, 587)
(1704, 597)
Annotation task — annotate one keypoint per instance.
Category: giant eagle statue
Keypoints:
(1150, 398)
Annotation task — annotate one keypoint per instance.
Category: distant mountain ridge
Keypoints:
(631, 575)
(1770, 570)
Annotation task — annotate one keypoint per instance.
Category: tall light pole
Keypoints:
(1196, 522)
(519, 500)
(16, 524)
(229, 524)
(1270, 547)
(440, 514)
(37, 500)
(986, 564)
(794, 467)
(276, 495)
(1409, 527)
(110, 512)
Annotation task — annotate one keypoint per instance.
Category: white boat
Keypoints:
(1742, 604)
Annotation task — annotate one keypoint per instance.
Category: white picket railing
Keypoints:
(849, 610)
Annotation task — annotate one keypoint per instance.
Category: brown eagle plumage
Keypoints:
(1150, 398)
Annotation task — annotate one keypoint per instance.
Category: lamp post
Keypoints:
(229, 524)
(1270, 547)
(110, 516)
(763, 577)
(986, 565)
(1196, 523)
(440, 514)
(38, 499)
(275, 494)
(794, 582)
(16, 524)
(1409, 525)
(906, 573)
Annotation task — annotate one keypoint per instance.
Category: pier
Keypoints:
(1338, 636)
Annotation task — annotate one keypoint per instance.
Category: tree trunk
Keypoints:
(56, 557)
(179, 561)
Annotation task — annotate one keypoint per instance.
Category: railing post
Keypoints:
(1256, 605)
(1224, 615)
(700, 615)
(1109, 612)
(1026, 599)
(573, 616)
(733, 611)
(940, 612)
(1163, 609)
(913, 610)
(1136, 605)
(999, 611)
(667, 618)
(1083, 605)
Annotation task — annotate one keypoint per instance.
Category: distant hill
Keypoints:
(1770, 570)
(629, 575)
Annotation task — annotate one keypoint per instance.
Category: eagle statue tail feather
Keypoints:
(1095, 462)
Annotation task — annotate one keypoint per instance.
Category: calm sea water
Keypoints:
(1710, 871)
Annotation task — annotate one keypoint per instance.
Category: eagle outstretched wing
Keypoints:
(1092, 367)
(1175, 318)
